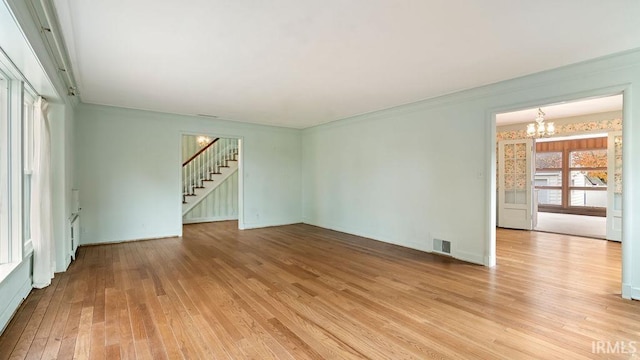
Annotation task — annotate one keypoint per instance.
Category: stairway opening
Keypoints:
(210, 178)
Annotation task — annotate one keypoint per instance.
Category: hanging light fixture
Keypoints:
(539, 128)
(203, 140)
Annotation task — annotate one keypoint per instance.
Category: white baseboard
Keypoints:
(356, 233)
(629, 292)
(123, 241)
(209, 219)
(469, 257)
(264, 225)
(488, 262)
(460, 255)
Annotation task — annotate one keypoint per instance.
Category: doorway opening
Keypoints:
(211, 185)
(566, 181)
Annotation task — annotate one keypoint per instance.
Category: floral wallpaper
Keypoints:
(617, 174)
(608, 125)
(515, 176)
(568, 129)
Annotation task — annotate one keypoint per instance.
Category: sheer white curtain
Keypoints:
(41, 225)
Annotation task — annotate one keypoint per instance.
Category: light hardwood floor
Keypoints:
(301, 292)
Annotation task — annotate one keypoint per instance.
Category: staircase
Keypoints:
(206, 170)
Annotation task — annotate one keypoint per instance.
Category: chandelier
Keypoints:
(203, 140)
(539, 128)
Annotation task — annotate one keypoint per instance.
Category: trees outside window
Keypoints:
(571, 176)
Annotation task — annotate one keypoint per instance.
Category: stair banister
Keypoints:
(195, 169)
(200, 151)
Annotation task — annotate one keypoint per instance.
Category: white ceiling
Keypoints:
(563, 110)
(301, 63)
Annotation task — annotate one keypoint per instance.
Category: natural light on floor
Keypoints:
(581, 225)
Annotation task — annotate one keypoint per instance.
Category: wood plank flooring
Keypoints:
(301, 292)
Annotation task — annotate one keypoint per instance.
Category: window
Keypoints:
(12, 178)
(571, 176)
(548, 178)
(5, 245)
(588, 172)
(27, 142)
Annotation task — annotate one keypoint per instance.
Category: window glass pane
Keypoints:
(521, 197)
(509, 151)
(27, 133)
(617, 202)
(521, 166)
(549, 160)
(548, 178)
(26, 230)
(549, 197)
(521, 182)
(509, 182)
(27, 159)
(593, 198)
(617, 175)
(509, 166)
(588, 158)
(4, 172)
(590, 178)
(515, 197)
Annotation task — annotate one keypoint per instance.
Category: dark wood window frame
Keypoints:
(566, 147)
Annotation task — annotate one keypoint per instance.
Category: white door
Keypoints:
(614, 186)
(515, 185)
(534, 215)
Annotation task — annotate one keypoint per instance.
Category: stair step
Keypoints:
(215, 175)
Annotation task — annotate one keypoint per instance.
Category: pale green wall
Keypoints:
(129, 172)
(423, 170)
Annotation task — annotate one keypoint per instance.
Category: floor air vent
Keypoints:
(442, 246)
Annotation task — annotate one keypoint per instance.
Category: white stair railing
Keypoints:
(205, 163)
